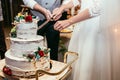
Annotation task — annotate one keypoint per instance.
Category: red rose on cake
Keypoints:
(41, 53)
(28, 18)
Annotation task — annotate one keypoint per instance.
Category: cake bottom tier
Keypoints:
(22, 67)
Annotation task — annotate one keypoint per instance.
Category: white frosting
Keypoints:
(17, 64)
(19, 47)
(27, 42)
(26, 30)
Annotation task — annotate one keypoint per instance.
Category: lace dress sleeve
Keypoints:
(95, 10)
(76, 2)
(30, 3)
(66, 1)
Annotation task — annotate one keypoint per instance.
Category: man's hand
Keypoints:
(43, 10)
(47, 14)
(57, 13)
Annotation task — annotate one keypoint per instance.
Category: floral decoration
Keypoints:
(24, 17)
(18, 17)
(41, 52)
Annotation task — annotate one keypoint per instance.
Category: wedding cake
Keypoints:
(27, 53)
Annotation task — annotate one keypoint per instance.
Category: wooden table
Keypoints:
(57, 66)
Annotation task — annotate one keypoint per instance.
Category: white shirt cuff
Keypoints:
(75, 2)
(66, 1)
(30, 3)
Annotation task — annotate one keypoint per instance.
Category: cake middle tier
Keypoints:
(19, 47)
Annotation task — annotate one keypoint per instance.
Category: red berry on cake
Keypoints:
(9, 73)
(7, 70)
(28, 18)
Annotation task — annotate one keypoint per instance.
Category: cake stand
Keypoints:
(59, 70)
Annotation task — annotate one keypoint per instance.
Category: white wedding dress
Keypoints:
(97, 41)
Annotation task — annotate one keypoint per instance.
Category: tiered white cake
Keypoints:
(26, 53)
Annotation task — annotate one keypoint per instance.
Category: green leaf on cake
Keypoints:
(46, 51)
(39, 48)
(36, 53)
(13, 32)
(13, 29)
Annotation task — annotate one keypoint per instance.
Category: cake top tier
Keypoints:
(25, 26)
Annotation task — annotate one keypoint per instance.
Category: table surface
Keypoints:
(56, 67)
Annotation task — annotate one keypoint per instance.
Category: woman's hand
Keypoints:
(60, 25)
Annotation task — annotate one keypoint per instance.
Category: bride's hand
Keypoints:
(60, 25)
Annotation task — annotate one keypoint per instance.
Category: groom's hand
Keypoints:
(48, 14)
(57, 13)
